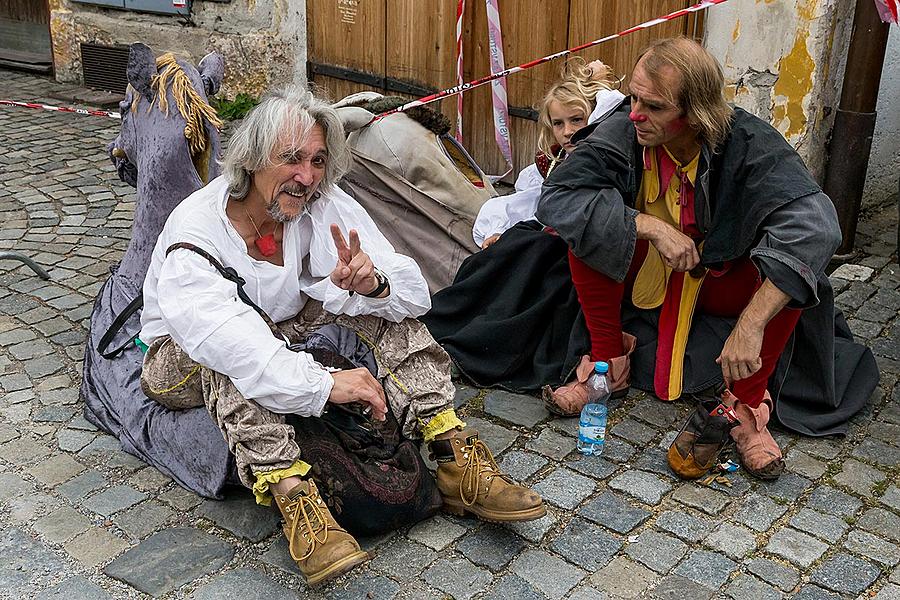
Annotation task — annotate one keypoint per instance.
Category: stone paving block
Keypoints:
(463, 395)
(654, 460)
(142, 520)
(95, 547)
(873, 547)
(851, 272)
(743, 587)
(490, 546)
(733, 540)
(239, 514)
(881, 522)
(61, 397)
(617, 450)
(250, 584)
(658, 551)
(169, 559)
(534, 531)
(457, 577)
(592, 466)
(71, 440)
(402, 559)
(56, 469)
(623, 578)
(18, 381)
(513, 586)
(683, 525)
(437, 532)
(74, 588)
(643, 486)
(634, 431)
(826, 527)
(886, 432)
(551, 444)
(846, 574)
(553, 576)
(278, 555)
(23, 451)
(875, 451)
(521, 465)
(180, 499)
(758, 512)
(804, 464)
(709, 569)
(114, 499)
(827, 499)
(564, 488)
(53, 414)
(78, 487)
(825, 448)
(675, 587)
(796, 547)
(79, 422)
(586, 544)
(520, 409)
(859, 477)
(662, 415)
(788, 487)
(496, 437)
(613, 513)
(23, 559)
(702, 498)
(61, 525)
(7, 432)
(565, 425)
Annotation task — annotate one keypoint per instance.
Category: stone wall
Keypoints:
(784, 61)
(263, 41)
(884, 163)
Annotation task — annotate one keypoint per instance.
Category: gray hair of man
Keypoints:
(283, 120)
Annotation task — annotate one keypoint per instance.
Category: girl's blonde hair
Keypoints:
(575, 89)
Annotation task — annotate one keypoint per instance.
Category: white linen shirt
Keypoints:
(186, 298)
(500, 213)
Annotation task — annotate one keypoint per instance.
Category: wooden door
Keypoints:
(25, 35)
(408, 47)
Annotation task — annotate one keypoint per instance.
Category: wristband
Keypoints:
(383, 284)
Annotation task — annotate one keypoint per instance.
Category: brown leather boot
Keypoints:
(322, 549)
(760, 454)
(703, 436)
(470, 481)
(568, 400)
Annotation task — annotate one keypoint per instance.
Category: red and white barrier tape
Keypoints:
(498, 87)
(888, 10)
(465, 87)
(460, 11)
(69, 109)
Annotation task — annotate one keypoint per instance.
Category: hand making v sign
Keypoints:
(354, 271)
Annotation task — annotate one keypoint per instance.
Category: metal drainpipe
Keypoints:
(854, 123)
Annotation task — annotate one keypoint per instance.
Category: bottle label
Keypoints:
(591, 435)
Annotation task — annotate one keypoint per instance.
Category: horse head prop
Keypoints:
(168, 144)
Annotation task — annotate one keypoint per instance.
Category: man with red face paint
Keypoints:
(683, 214)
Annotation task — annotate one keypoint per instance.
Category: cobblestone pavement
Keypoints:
(82, 519)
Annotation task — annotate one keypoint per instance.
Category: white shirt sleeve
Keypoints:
(409, 295)
(500, 213)
(606, 100)
(205, 317)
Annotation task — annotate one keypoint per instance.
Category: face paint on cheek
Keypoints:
(678, 125)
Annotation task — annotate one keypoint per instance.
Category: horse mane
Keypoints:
(192, 107)
(432, 120)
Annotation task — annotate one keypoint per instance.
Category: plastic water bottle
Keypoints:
(592, 424)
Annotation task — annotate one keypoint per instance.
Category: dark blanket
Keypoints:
(511, 319)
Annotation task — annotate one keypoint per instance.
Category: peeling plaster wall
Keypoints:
(783, 60)
(263, 41)
(884, 162)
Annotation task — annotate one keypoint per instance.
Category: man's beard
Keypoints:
(277, 213)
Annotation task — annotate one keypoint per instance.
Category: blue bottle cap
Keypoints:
(601, 367)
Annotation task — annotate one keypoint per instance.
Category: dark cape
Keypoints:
(508, 319)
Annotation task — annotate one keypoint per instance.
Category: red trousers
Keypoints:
(725, 295)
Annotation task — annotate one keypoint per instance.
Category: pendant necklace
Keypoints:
(264, 243)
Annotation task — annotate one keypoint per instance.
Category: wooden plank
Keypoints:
(29, 11)
(421, 46)
(593, 19)
(531, 29)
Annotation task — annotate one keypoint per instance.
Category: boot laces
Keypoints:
(306, 508)
(479, 462)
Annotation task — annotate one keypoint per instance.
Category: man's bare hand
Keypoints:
(358, 385)
(740, 356)
(354, 270)
(678, 250)
(489, 241)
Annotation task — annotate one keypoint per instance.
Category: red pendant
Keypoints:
(266, 245)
